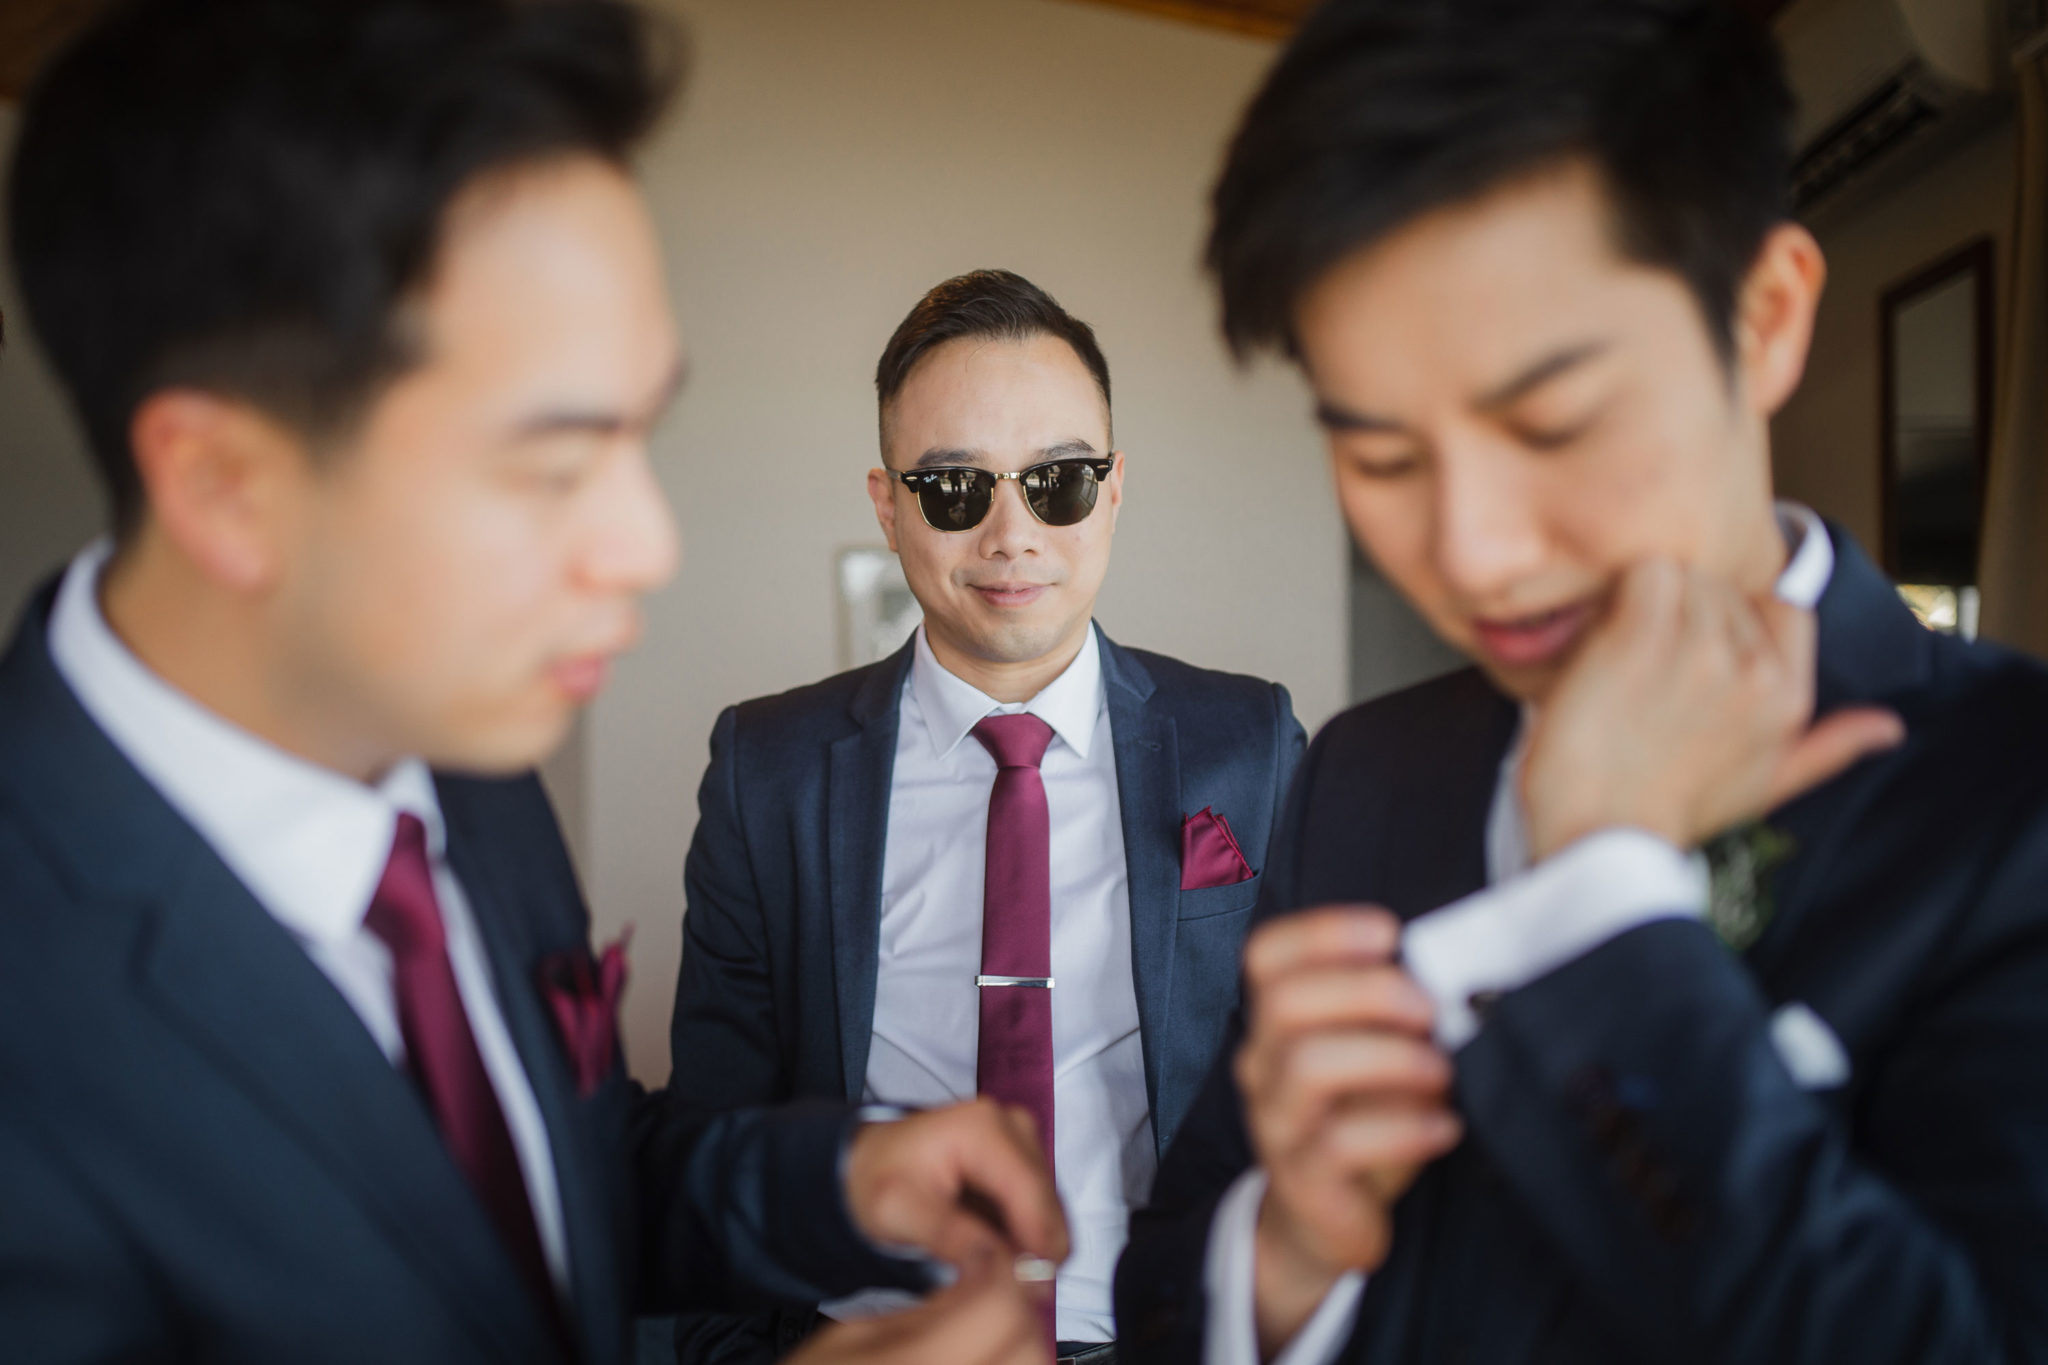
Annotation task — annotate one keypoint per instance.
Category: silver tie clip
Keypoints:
(1042, 982)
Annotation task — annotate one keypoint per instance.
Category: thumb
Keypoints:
(1834, 743)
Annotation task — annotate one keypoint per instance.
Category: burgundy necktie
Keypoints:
(1013, 1060)
(443, 1056)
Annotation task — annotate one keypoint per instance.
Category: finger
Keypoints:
(982, 1320)
(1793, 633)
(1002, 1159)
(1314, 999)
(1741, 624)
(1649, 603)
(1390, 1136)
(1338, 933)
(961, 1234)
(1327, 1076)
(1837, 741)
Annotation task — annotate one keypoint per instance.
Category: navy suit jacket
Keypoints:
(784, 880)
(205, 1157)
(1642, 1178)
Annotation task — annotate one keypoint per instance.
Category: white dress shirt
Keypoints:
(1527, 923)
(310, 845)
(927, 1007)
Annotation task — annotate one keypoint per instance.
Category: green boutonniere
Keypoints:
(1739, 866)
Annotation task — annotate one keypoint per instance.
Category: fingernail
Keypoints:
(1031, 1269)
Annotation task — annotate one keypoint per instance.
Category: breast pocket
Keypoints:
(1210, 901)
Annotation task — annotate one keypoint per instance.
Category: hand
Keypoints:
(1688, 710)
(985, 1318)
(1345, 1098)
(965, 1182)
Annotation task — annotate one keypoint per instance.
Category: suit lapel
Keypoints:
(1432, 841)
(229, 980)
(1148, 800)
(1870, 650)
(504, 924)
(223, 973)
(856, 833)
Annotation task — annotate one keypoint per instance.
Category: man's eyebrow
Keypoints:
(1333, 416)
(604, 421)
(1073, 448)
(947, 455)
(1541, 373)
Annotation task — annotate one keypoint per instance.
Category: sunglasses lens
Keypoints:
(955, 499)
(1061, 493)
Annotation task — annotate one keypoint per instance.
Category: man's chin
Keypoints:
(1528, 683)
(1020, 642)
(506, 749)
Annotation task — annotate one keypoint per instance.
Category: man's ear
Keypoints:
(219, 479)
(1116, 487)
(883, 496)
(1774, 315)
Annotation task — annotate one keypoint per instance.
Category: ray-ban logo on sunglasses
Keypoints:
(958, 497)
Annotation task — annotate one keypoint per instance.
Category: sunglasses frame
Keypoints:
(1102, 465)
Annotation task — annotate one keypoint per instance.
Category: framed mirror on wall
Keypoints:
(1936, 347)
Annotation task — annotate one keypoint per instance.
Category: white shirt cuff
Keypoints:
(1232, 1335)
(1528, 926)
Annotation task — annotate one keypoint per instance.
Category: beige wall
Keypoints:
(1826, 441)
(832, 162)
(49, 504)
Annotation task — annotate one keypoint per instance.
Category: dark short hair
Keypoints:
(243, 195)
(1380, 111)
(991, 305)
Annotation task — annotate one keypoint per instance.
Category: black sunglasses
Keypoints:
(958, 497)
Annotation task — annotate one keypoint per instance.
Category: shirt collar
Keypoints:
(1811, 561)
(309, 843)
(952, 706)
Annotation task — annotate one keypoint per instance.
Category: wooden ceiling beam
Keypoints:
(1279, 18)
(29, 31)
(1258, 18)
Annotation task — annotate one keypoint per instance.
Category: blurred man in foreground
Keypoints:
(1521, 1077)
(303, 1054)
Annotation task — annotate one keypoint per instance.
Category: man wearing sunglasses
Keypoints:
(1014, 859)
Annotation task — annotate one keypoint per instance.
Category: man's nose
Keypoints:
(635, 545)
(1010, 530)
(1488, 523)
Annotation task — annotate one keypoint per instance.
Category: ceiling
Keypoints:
(1278, 18)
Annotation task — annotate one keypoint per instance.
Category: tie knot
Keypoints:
(1014, 741)
(404, 912)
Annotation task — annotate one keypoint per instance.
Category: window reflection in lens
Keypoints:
(1062, 492)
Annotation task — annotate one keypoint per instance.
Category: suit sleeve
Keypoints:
(747, 1209)
(754, 1211)
(1714, 1210)
(722, 1035)
(1161, 1305)
(1290, 741)
(72, 1290)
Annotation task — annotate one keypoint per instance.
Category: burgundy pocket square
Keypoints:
(1209, 855)
(582, 994)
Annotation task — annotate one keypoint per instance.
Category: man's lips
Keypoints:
(1011, 594)
(1529, 641)
(582, 676)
